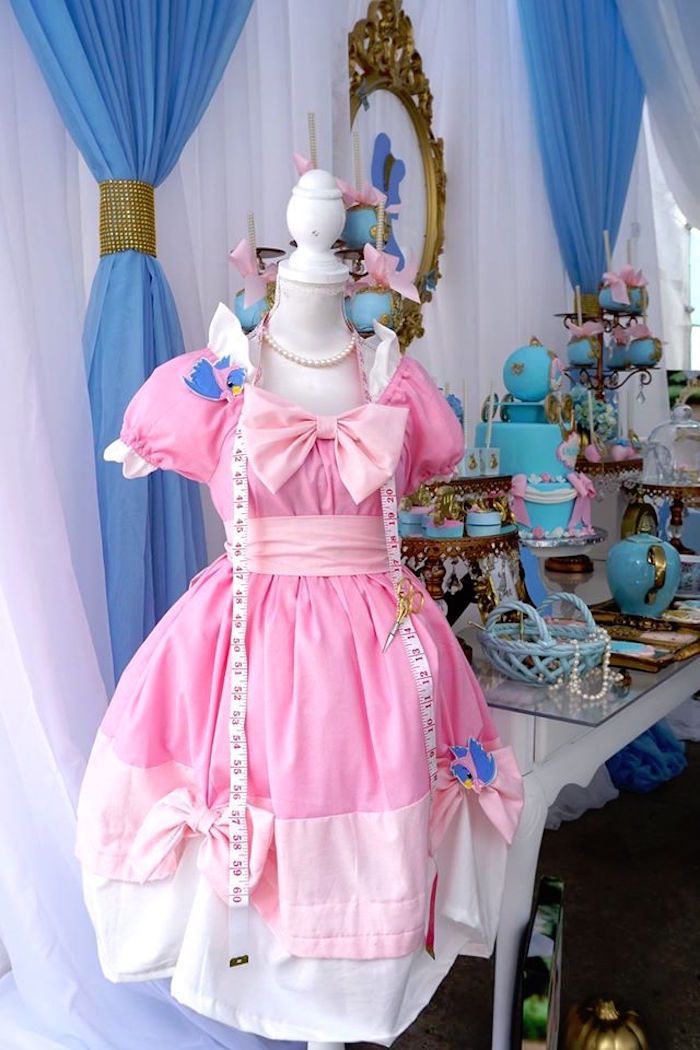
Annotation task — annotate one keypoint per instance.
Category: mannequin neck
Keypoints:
(311, 315)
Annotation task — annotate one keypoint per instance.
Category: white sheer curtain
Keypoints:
(53, 625)
(665, 40)
(643, 409)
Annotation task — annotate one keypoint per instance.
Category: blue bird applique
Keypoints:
(474, 767)
(206, 379)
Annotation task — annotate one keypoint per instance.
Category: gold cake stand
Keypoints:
(490, 567)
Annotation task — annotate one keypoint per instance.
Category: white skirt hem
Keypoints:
(141, 929)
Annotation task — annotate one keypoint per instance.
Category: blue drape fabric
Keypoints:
(587, 101)
(653, 758)
(131, 79)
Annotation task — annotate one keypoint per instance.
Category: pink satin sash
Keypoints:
(316, 545)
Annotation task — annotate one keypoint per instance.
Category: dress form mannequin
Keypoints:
(308, 318)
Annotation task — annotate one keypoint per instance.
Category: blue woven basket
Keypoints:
(538, 650)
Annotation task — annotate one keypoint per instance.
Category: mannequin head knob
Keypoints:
(315, 217)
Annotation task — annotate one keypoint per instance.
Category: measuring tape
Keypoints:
(237, 548)
(420, 668)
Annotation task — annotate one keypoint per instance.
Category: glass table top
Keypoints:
(561, 704)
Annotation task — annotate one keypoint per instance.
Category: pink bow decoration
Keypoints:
(633, 278)
(501, 801)
(381, 270)
(367, 441)
(638, 331)
(624, 336)
(585, 491)
(302, 164)
(588, 328)
(619, 282)
(518, 487)
(368, 194)
(254, 282)
(175, 819)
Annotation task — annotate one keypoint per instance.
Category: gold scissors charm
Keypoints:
(408, 601)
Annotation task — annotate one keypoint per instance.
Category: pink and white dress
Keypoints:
(350, 803)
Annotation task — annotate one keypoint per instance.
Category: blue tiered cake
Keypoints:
(539, 445)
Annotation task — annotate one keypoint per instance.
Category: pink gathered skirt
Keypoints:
(338, 782)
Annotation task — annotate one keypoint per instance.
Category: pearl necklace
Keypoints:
(574, 680)
(310, 362)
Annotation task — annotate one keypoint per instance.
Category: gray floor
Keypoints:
(632, 922)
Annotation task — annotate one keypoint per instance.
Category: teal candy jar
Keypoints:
(638, 300)
(646, 351)
(368, 305)
(361, 226)
(531, 372)
(584, 350)
(643, 574)
(251, 316)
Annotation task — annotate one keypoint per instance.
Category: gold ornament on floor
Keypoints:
(599, 1025)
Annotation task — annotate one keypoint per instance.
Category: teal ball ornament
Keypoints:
(361, 226)
(644, 352)
(531, 372)
(368, 305)
(250, 316)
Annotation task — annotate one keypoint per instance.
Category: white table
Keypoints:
(560, 740)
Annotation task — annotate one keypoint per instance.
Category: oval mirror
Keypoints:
(391, 109)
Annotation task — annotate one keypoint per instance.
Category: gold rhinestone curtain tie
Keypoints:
(127, 217)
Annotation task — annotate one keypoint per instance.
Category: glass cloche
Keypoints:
(672, 453)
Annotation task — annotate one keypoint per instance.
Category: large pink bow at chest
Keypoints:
(367, 441)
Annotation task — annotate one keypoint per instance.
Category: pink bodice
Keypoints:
(172, 428)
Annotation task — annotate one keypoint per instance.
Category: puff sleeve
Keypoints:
(435, 443)
(169, 427)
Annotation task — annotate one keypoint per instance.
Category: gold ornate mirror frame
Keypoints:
(382, 55)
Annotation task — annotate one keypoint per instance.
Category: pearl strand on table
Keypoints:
(574, 680)
(310, 362)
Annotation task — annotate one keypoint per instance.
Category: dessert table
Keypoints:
(560, 739)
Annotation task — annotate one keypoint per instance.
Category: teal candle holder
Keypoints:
(251, 316)
(583, 351)
(361, 226)
(644, 352)
(638, 300)
(368, 305)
